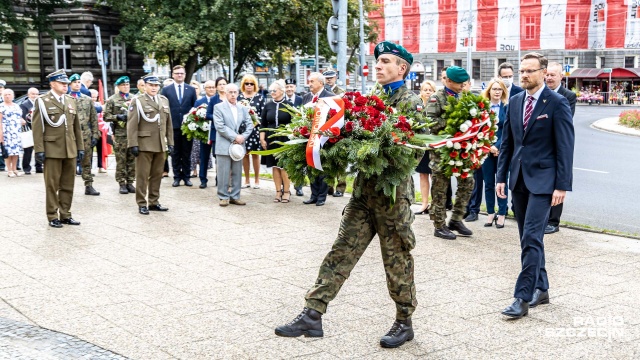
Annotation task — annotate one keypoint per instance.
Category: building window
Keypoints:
(571, 25)
(629, 61)
(475, 69)
(118, 55)
(439, 67)
(63, 52)
(570, 60)
(408, 3)
(447, 4)
(18, 57)
(602, 63)
(446, 29)
(457, 62)
(530, 28)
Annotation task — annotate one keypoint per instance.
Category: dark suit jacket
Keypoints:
(544, 152)
(297, 100)
(179, 110)
(515, 89)
(502, 117)
(26, 106)
(215, 99)
(309, 96)
(571, 97)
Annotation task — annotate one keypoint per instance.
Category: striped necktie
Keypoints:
(527, 111)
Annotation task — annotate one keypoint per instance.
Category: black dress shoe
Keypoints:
(471, 217)
(299, 192)
(449, 206)
(39, 171)
(319, 203)
(459, 227)
(131, 189)
(310, 201)
(550, 229)
(518, 309)
(444, 233)
(203, 185)
(188, 182)
(539, 297)
(70, 221)
(123, 189)
(338, 194)
(176, 183)
(401, 331)
(89, 190)
(143, 210)
(308, 323)
(158, 207)
(55, 223)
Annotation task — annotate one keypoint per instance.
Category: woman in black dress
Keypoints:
(426, 90)
(273, 115)
(249, 93)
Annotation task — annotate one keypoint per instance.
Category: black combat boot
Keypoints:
(401, 332)
(89, 190)
(123, 189)
(131, 189)
(444, 233)
(308, 323)
(456, 225)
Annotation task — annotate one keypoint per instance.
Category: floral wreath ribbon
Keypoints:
(470, 133)
(320, 123)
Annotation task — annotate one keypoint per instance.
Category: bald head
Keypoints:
(231, 91)
(210, 88)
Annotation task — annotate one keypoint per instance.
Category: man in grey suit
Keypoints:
(233, 126)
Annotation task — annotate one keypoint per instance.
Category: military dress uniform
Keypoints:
(439, 180)
(125, 161)
(57, 136)
(150, 130)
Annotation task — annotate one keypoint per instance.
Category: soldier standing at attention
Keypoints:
(116, 110)
(148, 132)
(454, 84)
(88, 118)
(362, 219)
(57, 143)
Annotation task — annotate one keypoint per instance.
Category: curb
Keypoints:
(611, 125)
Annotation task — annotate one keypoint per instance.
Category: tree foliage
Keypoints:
(192, 32)
(17, 18)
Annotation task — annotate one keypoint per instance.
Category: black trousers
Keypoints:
(181, 157)
(205, 154)
(554, 216)
(478, 189)
(26, 160)
(319, 189)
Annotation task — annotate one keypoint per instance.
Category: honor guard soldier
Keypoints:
(57, 143)
(88, 118)
(456, 77)
(330, 76)
(149, 136)
(366, 216)
(116, 112)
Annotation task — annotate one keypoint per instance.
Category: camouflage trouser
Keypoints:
(86, 161)
(439, 185)
(363, 218)
(341, 185)
(125, 161)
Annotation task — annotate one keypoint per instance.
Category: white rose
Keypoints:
(473, 112)
(192, 126)
(458, 163)
(468, 123)
(201, 112)
(474, 146)
(456, 146)
(480, 135)
(451, 162)
(466, 170)
(464, 128)
(449, 144)
(456, 174)
(206, 126)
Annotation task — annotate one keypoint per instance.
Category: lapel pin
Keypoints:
(544, 101)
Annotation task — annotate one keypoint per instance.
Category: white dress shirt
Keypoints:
(234, 113)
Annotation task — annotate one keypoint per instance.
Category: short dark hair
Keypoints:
(444, 69)
(541, 59)
(177, 67)
(504, 65)
(220, 79)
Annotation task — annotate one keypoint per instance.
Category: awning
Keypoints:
(616, 73)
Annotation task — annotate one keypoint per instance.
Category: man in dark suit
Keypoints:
(182, 97)
(319, 187)
(553, 79)
(296, 100)
(26, 108)
(205, 147)
(537, 150)
(505, 72)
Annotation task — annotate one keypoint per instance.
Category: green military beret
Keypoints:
(457, 74)
(74, 77)
(122, 80)
(387, 47)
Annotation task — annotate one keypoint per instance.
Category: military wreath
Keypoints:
(195, 124)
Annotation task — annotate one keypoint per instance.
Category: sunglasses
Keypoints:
(249, 84)
(273, 90)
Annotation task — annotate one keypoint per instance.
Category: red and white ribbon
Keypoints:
(321, 123)
(469, 134)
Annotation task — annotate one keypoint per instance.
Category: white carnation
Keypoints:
(466, 170)
(480, 135)
(456, 146)
(449, 144)
(468, 123)
(192, 126)
(206, 126)
(464, 128)
(201, 112)
(474, 145)
(451, 162)
(456, 174)
(458, 163)
(473, 112)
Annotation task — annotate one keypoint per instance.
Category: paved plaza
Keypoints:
(205, 282)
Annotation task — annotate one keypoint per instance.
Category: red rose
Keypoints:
(333, 140)
(464, 175)
(402, 118)
(357, 108)
(348, 126)
(304, 131)
(464, 155)
(457, 134)
(481, 105)
(361, 100)
(390, 110)
(335, 131)
(464, 144)
(455, 170)
(453, 154)
(332, 113)
(347, 105)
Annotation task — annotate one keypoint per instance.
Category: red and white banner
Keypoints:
(321, 123)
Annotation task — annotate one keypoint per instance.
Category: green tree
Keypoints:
(17, 18)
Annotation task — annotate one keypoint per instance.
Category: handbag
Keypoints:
(26, 137)
(5, 153)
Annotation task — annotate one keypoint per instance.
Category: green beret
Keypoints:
(387, 47)
(122, 80)
(457, 74)
(74, 77)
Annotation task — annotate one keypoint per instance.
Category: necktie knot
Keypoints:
(527, 111)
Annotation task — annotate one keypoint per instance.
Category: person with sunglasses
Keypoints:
(249, 92)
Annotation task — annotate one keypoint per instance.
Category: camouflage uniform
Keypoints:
(89, 125)
(125, 161)
(362, 219)
(440, 181)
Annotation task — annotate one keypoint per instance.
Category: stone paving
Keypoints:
(205, 282)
